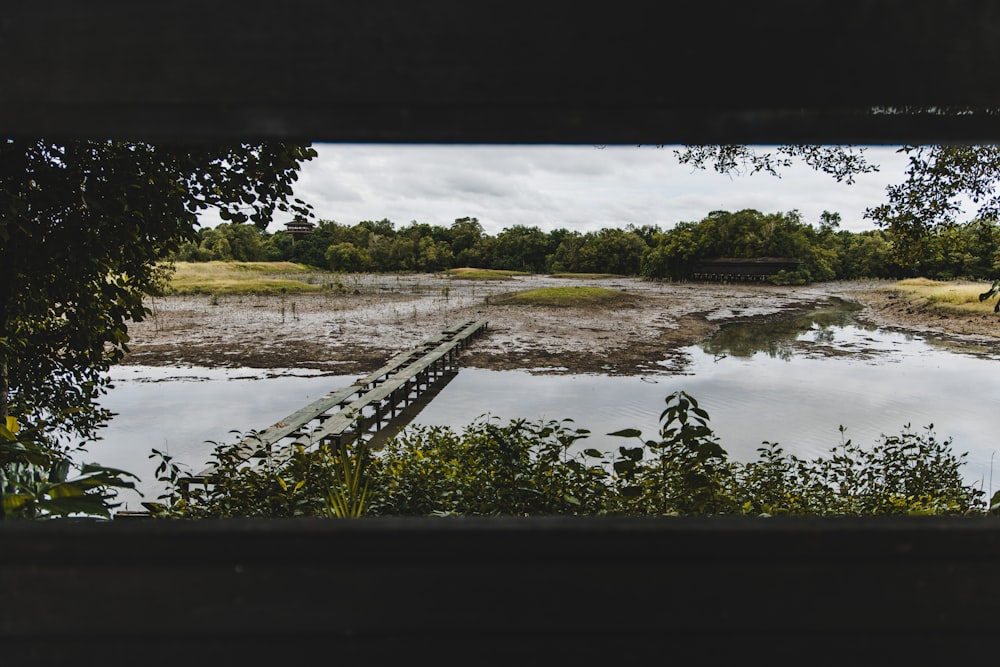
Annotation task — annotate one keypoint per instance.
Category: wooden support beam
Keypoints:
(446, 71)
(560, 590)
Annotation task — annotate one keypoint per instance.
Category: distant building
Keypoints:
(299, 227)
(742, 268)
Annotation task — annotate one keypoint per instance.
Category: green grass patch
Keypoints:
(585, 276)
(269, 267)
(240, 278)
(563, 296)
(468, 273)
(950, 295)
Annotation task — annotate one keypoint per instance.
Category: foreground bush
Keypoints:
(38, 481)
(540, 468)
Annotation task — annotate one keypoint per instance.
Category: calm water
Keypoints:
(793, 382)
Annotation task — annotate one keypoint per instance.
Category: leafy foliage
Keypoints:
(844, 163)
(299, 484)
(921, 214)
(688, 471)
(910, 473)
(35, 481)
(346, 495)
(520, 469)
(83, 227)
(544, 468)
(939, 181)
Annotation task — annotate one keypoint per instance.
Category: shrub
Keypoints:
(527, 468)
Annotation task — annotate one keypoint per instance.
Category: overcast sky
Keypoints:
(581, 188)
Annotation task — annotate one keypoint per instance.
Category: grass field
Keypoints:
(242, 278)
(953, 295)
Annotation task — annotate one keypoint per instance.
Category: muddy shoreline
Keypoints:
(354, 330)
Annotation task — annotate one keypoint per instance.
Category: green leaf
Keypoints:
(65, 490)
(623, 466)
(627, 433)
(12, 502)
(631, 453)
(88, 505)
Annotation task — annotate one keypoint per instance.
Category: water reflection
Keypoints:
(794, 382)
(800, 401)
(777, 338)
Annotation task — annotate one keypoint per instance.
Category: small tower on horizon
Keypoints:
(299, 228)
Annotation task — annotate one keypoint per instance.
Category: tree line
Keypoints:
(825, 251)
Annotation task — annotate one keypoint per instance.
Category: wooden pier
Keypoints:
(364, 407)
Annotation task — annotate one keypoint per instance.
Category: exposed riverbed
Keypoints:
(786, 364)
(374, 316)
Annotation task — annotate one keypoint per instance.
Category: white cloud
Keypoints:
(578, 187)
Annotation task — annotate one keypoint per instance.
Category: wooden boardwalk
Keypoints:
(365, 406)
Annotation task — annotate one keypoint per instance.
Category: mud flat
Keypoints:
(354, 329)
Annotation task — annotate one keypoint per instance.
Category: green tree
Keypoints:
(434, 256)
(347, 258)
(84, 223)
(215, 245)
(829, 222)
(522, 248)
(612, 250)
(746, 233)
(278, 246)
(383, 227)
(311, 249)
(566, 257)
(403, 254)
(940, 180)
(244, 241)
(194, 249)
(867, 254)
(465, 234)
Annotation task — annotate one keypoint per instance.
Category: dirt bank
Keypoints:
(372, 317)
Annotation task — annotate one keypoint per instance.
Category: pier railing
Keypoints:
(361, 409)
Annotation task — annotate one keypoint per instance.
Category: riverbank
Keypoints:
(369, 317)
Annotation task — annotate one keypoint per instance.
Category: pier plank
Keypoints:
(345, 419)
(337, 416)
(303, 416)
(333, 399)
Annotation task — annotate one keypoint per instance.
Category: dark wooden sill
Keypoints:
(541, 590)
